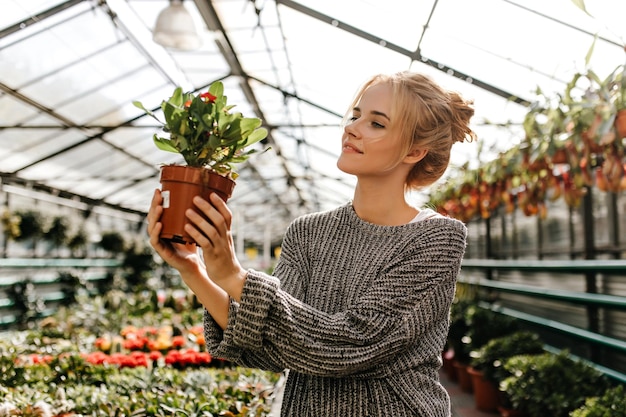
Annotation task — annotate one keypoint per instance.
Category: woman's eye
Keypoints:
(378, 125)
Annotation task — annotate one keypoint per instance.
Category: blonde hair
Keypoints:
(426, 117)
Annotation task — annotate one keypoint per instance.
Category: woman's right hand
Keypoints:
(183, 257)
(186, 259)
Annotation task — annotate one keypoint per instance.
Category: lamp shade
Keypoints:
(175, 28)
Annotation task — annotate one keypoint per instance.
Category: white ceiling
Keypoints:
(70, 70)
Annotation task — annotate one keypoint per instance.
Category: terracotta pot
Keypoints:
(620, 123)
(465, 382)
(179, 185)
(485, 391)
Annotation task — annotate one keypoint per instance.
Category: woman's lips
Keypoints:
(348, 147)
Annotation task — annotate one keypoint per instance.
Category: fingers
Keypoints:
(209, 225)
(154, 214)
(222, 208)
(216, 212)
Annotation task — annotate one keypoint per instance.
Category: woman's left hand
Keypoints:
(215, 238)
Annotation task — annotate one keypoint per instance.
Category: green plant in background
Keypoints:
(550, 384)
(138, 265)
(11, 374)
(26, 301)
(458, 328)
(31, 228)
(10, 225)
(113, 242)
(70, 286)
(57, 233)
(610, 404)
(50, 367)
(490, 358)
(483, 325)
(77, 243)
(205, 132)
(31, 224)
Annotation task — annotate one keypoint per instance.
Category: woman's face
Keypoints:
(370, 143)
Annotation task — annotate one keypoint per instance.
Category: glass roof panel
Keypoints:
(395, 21)
(295, 64)
(14, 111)
(24, 150)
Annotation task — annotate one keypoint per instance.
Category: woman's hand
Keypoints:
(215, 238)
(182, 257)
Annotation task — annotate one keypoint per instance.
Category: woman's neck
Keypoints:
(382, 205)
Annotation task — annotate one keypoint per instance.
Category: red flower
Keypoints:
(178, 341)
(40, 359)
(172, 357)
(97, 358)
(208, 97)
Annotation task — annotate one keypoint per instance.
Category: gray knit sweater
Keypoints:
(357, 312)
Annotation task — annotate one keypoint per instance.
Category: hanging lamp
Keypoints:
(175, 28)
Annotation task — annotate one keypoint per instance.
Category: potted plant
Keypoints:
(210, 138)
(113, 242)
(57, 233)
(481, 325)
(77, 243)
(610, 404)
(31, 228)
(10, 225)
(543, 385)
(486, 364)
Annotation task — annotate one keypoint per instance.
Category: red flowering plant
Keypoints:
(205, 132)
(140, 346)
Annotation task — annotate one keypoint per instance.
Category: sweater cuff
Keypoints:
(219, 342)
(257, 297)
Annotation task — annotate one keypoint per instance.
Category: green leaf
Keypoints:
(139, 105)
(590, 51)
(257, 135)
(217, 89)
(164, 144)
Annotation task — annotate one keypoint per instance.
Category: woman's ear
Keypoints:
(415, 155)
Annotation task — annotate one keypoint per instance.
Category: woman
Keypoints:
(357, 308)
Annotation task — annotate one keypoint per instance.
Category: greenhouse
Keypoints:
(103, 101)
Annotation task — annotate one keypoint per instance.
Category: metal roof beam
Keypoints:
(38, 17)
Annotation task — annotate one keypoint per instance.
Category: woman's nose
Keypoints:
(352, 129)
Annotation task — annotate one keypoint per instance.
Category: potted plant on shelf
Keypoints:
(482, 325)
(210, 138)
(543, 385)
(610, 404)
(486, 364)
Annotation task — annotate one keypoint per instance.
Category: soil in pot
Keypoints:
(179, 185)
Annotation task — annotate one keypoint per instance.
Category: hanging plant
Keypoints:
(78, 242)
(31, 225)
(113, 242)
(10, 225)
(57, 233)
(571, 142)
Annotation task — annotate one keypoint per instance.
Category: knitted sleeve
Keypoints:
(220, 342)
(405, 299)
